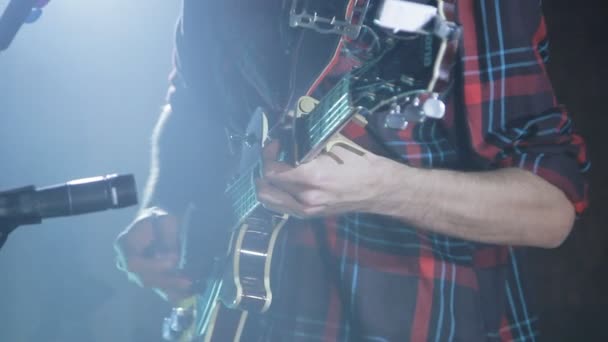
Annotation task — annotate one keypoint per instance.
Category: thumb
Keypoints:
(271, 150)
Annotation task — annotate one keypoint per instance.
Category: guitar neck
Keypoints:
(326, 119)
(242, 195)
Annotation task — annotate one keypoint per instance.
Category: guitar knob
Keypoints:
(367, 99)
(180, 319)
(168, 333)
(434, 108)
(174, 325)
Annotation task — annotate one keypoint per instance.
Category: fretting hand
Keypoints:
(336, 182)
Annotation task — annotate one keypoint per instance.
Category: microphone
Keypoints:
(13, 17)
(28, 205)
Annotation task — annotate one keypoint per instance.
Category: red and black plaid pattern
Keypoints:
(365, 277)
(381, 280)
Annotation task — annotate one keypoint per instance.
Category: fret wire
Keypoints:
(336, 95)
(335, 112)
(319, 130)
(242, 203)
(337, 116)
(241, 186)
(235, 192)
(241, 213)
(243, 179)
(332, 125)
(244, 210)
(333, 107)
(329, 118)
(318, 134)
(345, 83)
(247, 210)
(239, 204)
(329, 98)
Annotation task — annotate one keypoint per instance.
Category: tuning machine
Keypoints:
(176, 324)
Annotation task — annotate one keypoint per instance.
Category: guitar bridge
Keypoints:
(327, 25)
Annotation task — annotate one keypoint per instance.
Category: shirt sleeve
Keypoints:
(511, 111)
(189, 145)
(189, 148)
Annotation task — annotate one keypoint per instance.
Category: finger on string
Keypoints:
(271, 150)
(301, 178)
(288, 185)
(274, 167)
(277, 199)
(282, 202)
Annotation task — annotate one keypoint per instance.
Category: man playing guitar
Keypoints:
(402, 216)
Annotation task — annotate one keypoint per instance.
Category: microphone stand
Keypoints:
(12, 19)
(29, 205)
(8, 222)
(6, 227)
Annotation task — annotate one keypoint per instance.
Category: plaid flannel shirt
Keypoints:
(366, 277)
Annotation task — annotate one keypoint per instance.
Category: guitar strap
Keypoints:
(446, 27)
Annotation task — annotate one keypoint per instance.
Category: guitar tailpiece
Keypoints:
(350, 27)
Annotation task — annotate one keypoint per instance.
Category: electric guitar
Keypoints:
(239, 283)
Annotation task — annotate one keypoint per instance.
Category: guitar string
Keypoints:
(339, 88)
(330, 113)
(331, 124)
(248, 200)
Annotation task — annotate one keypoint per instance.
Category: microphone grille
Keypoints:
(123, 190)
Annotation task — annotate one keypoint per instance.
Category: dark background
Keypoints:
(79, 93)
(573, 279)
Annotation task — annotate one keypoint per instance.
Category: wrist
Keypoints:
(396, 186)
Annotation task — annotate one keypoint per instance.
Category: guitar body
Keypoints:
(225, 325)
(247, 275)
(240, 281)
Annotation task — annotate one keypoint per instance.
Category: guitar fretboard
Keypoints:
(327, 117)
(323, 121)
(331, 113)
(242, 196)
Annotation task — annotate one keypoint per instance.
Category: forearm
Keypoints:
(506, 206)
